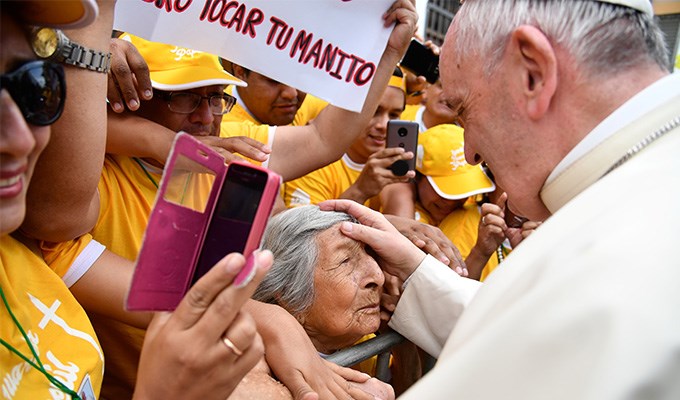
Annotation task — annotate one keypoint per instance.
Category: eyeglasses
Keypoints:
(188, 102)
(39, 89)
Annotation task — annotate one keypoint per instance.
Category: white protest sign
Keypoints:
(329, 48)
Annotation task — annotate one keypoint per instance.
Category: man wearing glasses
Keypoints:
(188, 88)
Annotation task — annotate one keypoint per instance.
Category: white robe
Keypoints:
(588, 307)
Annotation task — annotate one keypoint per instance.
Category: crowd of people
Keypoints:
(520, 249)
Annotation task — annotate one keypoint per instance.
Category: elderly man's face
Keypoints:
(20, 143)
(348, 284)
(201, 122)
(497, 130)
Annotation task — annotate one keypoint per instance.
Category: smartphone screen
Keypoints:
(232, 221)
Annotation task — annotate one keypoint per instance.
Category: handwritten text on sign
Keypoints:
(330, 48)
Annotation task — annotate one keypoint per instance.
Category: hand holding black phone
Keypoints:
(421, 61)
(403, 134)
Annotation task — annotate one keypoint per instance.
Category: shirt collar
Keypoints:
(651, 97)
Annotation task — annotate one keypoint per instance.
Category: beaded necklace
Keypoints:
(499, 254)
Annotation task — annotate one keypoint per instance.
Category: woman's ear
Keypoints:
(300, 317)
(536, 62)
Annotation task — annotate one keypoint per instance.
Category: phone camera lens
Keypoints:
(402, 132)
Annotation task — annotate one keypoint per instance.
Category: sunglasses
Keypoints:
(39, 89)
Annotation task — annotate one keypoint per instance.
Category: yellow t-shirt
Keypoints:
(310, 108)
(72, 259)
(461, 227)
(261, 133)
(422, 215)
(369, 365)
(127, 195)
(54, 321)
(409, 113)
(325, 183)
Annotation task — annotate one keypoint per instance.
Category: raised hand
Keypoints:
(204, 348)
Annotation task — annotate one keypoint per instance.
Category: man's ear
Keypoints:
(238, 71)
(537, 61)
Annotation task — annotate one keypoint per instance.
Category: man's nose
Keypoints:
(202, 114)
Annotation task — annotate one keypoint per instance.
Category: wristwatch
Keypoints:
(53, 44)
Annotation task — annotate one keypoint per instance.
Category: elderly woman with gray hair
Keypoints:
(330, 283)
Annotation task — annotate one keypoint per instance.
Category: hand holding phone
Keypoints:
(421, 61)
(403, 134)
(183, 242)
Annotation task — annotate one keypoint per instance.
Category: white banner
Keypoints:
(329, 48)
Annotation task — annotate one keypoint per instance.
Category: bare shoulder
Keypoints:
(260, 380)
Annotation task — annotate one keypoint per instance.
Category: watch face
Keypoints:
(45, 42)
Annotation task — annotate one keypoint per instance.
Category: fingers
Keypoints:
(219, 314)
(129, 77)
(230, 146)
(251, 356)
(301, 390)
(306, 394)
(493, 216)
(363, 214)
(502, 200)
(348, 373)
(212, 303)
(396, 254)
(241, 343)
(203, 293)
(373, 389)
(444, 250)
(399, 11)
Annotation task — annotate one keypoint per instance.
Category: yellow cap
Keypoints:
(441, 158)
(397, 81)
(174, 68)
(65, 14)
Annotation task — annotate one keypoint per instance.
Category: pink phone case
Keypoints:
(175, 234)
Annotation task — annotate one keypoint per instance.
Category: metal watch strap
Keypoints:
(75, 54)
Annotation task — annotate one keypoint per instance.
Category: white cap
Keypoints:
(644, 6)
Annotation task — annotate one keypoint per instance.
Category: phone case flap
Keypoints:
(184, 204)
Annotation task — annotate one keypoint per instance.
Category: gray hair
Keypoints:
(603, 37)
(291, 236)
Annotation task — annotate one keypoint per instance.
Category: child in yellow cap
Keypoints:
(446, 190)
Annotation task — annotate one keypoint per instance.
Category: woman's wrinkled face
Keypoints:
(348, 283)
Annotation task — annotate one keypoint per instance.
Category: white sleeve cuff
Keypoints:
(270, 143)
(431, 304)
(83, 262)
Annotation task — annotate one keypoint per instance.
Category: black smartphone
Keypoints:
(403, 134)
(241, 213)
(421, 61)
